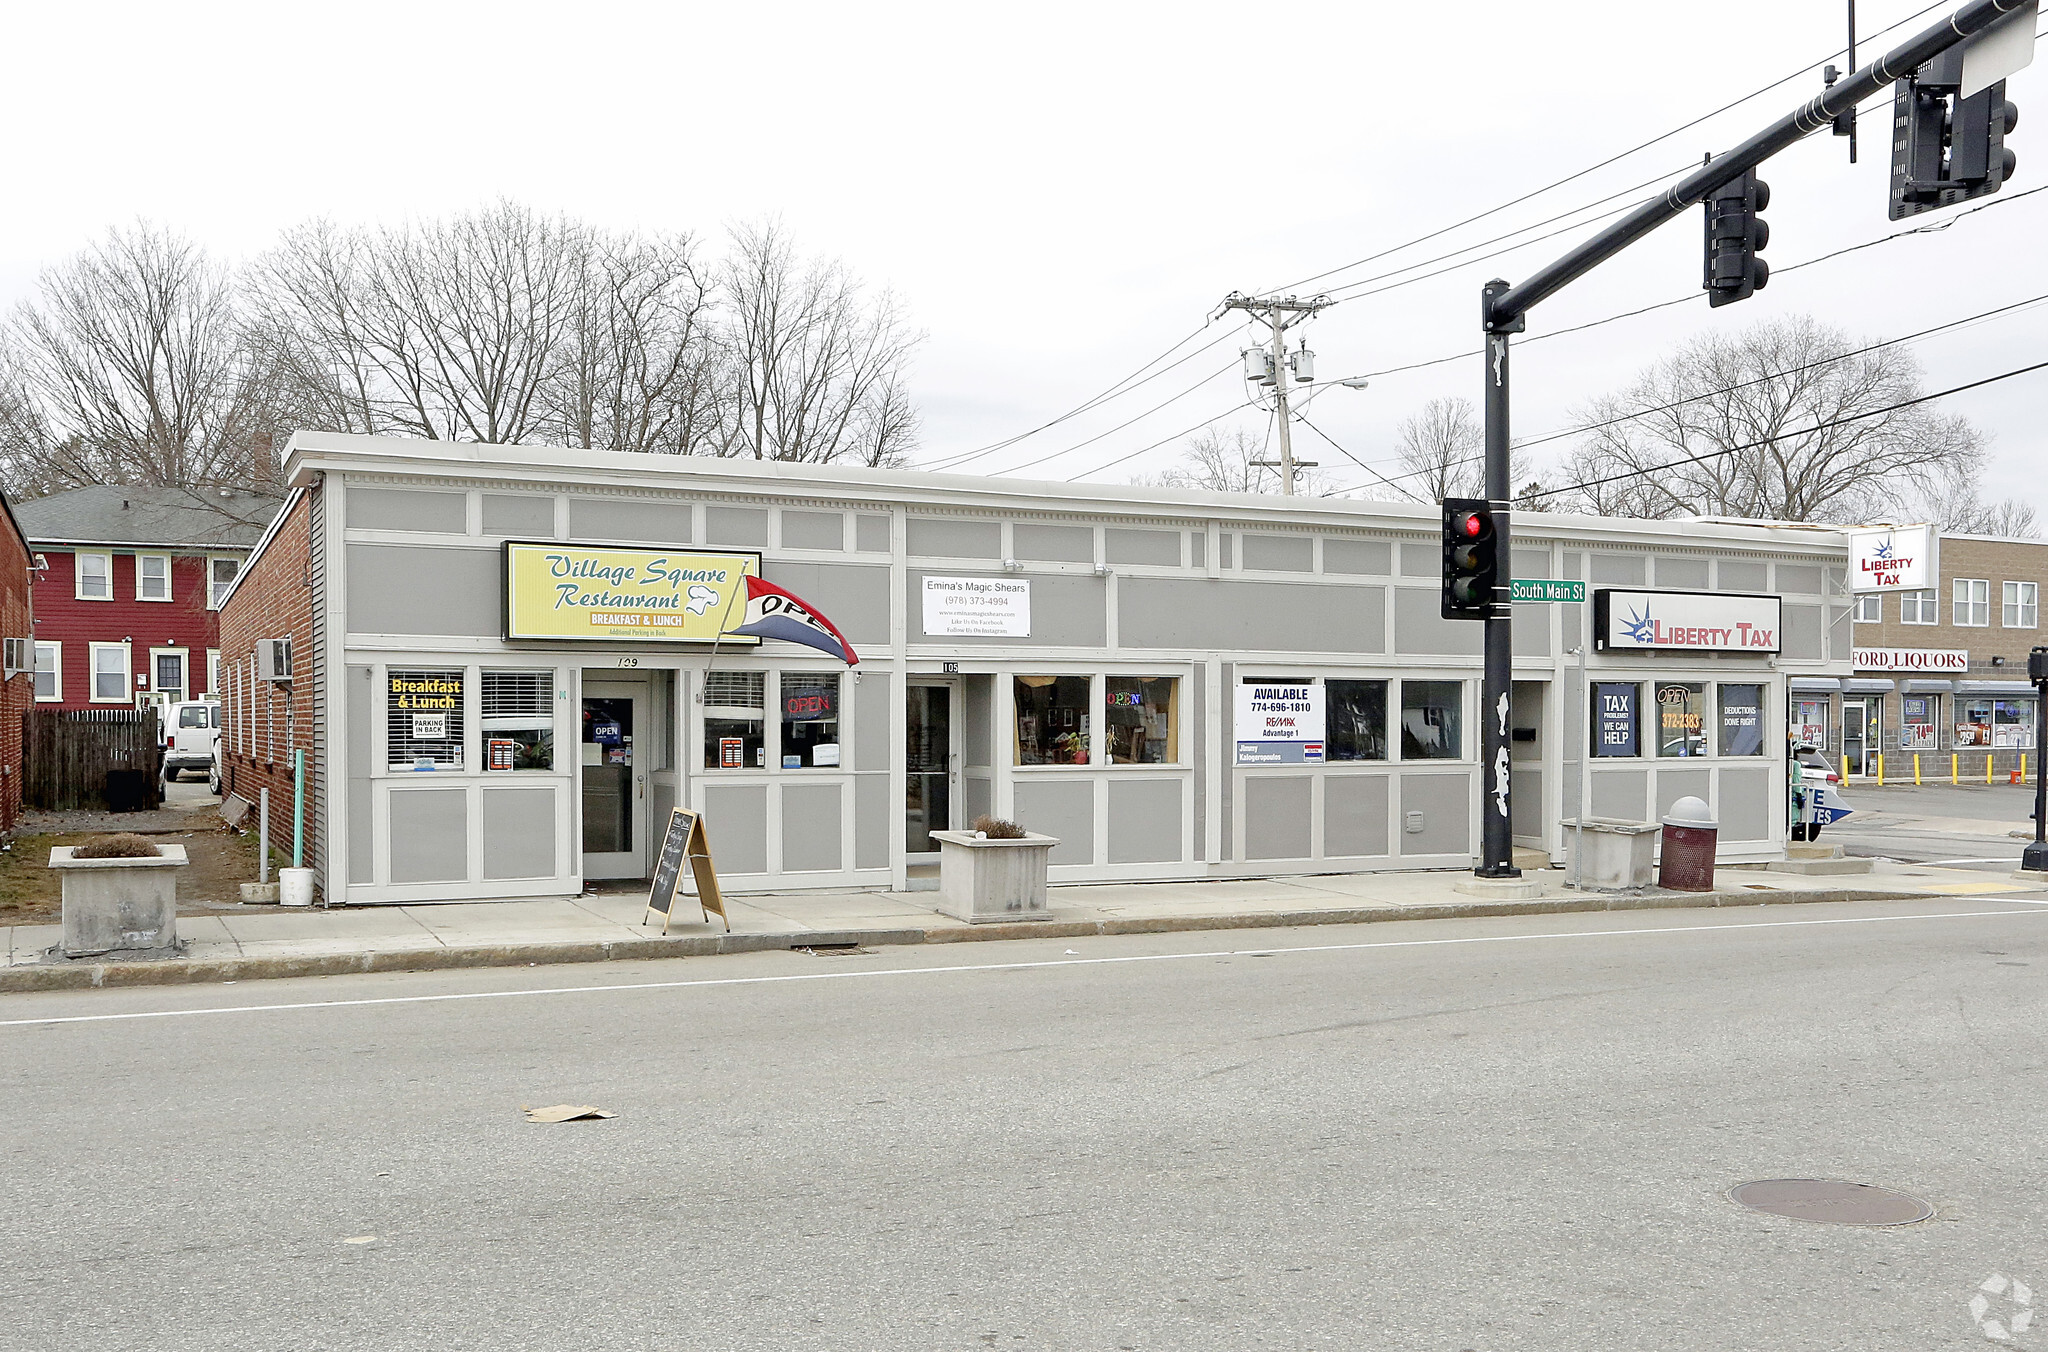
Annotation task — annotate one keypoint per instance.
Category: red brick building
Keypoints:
(17, 690)
(263, 719)
(127, 584)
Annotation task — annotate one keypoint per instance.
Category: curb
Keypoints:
(55, 976)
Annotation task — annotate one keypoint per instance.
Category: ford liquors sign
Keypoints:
(1892, 558)
(1686, 621)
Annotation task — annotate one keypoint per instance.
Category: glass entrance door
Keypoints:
(614, 781)
(929, 759)
(1858, 721)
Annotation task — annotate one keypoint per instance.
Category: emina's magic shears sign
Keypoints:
(1687, 621)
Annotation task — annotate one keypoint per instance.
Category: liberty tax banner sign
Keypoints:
(1279, 724)
(1636, 621)
(977, 607)
(1893, 558)
(561, 591)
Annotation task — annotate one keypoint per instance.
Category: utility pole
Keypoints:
(1275, 312)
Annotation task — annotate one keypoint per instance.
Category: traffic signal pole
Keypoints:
(1504, 309)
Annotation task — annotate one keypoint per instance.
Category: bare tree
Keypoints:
(1958, 505)
(817, 368)
(1442, 450)
(1772, 422)
(1225, 461)
(130, 366)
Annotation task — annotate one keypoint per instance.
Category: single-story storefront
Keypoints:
(503, 673)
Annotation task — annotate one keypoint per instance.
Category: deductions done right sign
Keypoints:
(1279, 724)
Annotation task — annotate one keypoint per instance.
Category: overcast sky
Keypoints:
(1057, 196)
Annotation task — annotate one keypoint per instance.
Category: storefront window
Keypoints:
(1810, 723)
(1681, 719)
(423, 719)
(1742, 720)
(2012, 723)
(1432, 718)
(1973, 722)
(1356, 726)
(810, 721)
(1138, 713)
(518, 720)
(1917, 722)
(1052, 720)
(1617, 718)
(735, 720)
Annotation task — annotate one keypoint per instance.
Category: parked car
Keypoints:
(191, 731)
(213, 770)
(1823, 786)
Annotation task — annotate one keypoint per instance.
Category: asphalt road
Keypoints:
(1508, 1134)
(1967, 826)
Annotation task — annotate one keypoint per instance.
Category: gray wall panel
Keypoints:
(1419, 559)
(1525, 805)
(1354, 815)
(736, 527)
(1065, 611)
(1198, 548)
(949, 538)
(1533, 561)
(872, 698)
(1741, 575)
(1625, 569)
(1144, 821)
(362, 832)
(519, 515)
(1279, 553)
(1419, 626)
(978, 735)
(1622, 795)
(1160, 547)
(871, 533)
(1358, 556)
(1053, 544)
(1801, 638)
(1198, 752)
(855, 596)
(1798, 578)
(1063, 808)
(519, 831)
(978, 793)
(1276, 816)
(1159, 612)
(877, 816)
(1225, 548)
(736, 821)
(1445, 802)
(1531, 633)
(406, 509)
(429, 834)
(1689, 574)
(411, 589)
(1674, 784)
(1745, 811)
(810, 828)
(813, 530)
(635, 519)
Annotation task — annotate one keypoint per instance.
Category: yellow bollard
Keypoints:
(1916, 769)
(2023, 767)
(1987, 767)
(1880, 769)
(1954, 762)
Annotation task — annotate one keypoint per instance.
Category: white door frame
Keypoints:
(631, 863)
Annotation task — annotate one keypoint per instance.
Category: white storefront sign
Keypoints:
(1686, 621)
(1893, 558)
(1279, 723)
(1912, 659)
(976, 607)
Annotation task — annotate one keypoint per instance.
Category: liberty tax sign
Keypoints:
(1887, 558)
(1686, 621)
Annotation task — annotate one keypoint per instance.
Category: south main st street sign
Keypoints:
(1545, 589)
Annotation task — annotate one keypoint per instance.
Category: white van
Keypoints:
(190, 731)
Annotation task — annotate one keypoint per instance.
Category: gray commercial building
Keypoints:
(506, 661)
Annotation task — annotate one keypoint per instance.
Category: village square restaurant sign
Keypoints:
(582, 593)
(1648, 621)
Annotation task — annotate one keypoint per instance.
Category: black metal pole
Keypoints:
(1496, 835)
(2035, 857)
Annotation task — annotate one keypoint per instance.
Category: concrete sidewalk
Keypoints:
(269, 943)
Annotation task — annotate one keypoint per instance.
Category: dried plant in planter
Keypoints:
(124, 845)
(995, 828)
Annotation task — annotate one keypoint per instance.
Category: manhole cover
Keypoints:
(1827, 1199)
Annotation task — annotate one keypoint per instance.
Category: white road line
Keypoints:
(1937, 863)
(1007, 966)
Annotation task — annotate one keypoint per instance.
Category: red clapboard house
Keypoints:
(16, 688)
(128, 582)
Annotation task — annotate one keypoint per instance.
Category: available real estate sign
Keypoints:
(1893, 558)
(1279, 723)
(1686, 621)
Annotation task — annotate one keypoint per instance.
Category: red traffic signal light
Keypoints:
(1470, 559)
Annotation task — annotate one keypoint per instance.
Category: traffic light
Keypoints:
(1471, 559)
(1736, 234)
(1945, 148)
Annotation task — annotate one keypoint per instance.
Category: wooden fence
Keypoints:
(67, 753)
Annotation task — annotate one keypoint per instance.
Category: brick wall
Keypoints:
(17, 694)
(263, 722)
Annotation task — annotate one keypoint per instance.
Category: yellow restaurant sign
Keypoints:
(558, 591)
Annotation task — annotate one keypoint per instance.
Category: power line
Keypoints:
(1186, 431)
(1029, 464)
(1354, 459)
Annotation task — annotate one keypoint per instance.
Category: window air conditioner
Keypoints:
(17, 658)
(274, 659)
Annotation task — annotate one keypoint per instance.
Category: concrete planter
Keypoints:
(127, 907)
(1617, 854)
(989, 880)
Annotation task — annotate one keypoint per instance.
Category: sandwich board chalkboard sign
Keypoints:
(685, 840)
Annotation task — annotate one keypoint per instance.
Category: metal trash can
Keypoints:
(1690, 837)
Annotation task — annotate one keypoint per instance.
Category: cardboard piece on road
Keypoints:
(567, 1112)
(685, 839)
